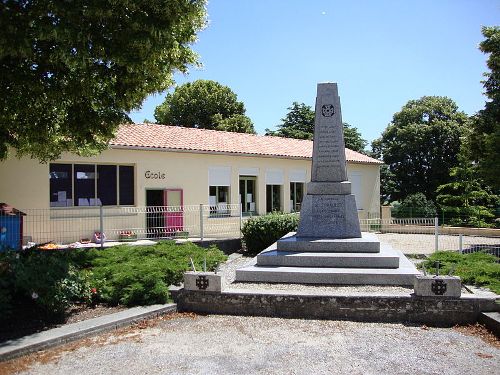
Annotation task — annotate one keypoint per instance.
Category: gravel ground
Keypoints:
(228, 269)
(246, 345)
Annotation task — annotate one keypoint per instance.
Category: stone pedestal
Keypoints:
(438, 286)
(203, 281)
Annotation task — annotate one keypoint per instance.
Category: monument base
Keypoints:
(329, 216)
(367, 243)
(352, 261)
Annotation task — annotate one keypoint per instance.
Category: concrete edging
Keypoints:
(437, 311)
(491, 320)
(71, 332)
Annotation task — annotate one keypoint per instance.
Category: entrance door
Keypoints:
(174, 215)
(247, 195)
(155, 220)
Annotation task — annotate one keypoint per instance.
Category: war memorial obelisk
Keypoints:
(329, 247)
(328, 208)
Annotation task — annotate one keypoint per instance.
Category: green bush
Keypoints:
(414, 205)
(46, 282)
(141, 275)
(479, 268)
(261, 231)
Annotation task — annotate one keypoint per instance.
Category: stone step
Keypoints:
(332, 276)
(387, 258)
(368, 243)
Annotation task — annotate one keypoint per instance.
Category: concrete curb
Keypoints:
(71, 332)
(492, 321)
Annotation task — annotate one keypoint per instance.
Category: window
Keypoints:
(84, 184)
(61, 188)
(126, 185)
(273, 198)
(247, 195)
(219, 181)
(106, 185)
(219, 199)
(296, 195)
(91, 185)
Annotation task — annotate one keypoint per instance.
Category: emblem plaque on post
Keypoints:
(202, 282)
(438, 287)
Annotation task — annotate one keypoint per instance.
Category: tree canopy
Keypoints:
(69, 74)
(421, 144)
(465, 199)
(204, 104)
(485, 138)
(299, 123)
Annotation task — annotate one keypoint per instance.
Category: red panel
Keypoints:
(174, 220)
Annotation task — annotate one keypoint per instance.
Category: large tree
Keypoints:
(421, 144)
(485, 138)
(204, 104)
(299, 123)
(465, 199)
(71, 71)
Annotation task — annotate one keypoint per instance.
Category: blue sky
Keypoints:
(381, 53)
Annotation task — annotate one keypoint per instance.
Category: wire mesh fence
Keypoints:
(121, 224)
(426, 235)
(76, 226)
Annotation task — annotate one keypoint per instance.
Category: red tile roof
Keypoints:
(152, 136)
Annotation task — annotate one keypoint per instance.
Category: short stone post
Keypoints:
(385, 217)
(203, 281)
(438, 286)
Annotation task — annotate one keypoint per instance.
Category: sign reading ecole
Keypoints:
(150, 175)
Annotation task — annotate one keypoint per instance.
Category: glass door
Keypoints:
(247, 195)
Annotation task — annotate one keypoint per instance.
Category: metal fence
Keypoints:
(80, 225)
(72, 225)
(426, 235)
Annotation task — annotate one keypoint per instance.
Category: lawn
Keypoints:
(478, 268)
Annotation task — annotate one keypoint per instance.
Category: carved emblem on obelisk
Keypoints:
(327, 110)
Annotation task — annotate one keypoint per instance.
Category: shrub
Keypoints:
(261, 231)
(45, 282)
(476, 268)
(414, 205)
(141, 275)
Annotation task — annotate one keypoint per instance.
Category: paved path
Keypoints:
(243, 345)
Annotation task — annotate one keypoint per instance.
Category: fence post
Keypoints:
(101, 224)
(241, 217)
(201, 222)
(460, 243)
(436, 234)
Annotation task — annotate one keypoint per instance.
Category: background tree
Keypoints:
(203, 104)
(485, 138)
(414, 205)
(466, 200)
(70, 73)
(299, 123)
(421, 144)
(236, 123)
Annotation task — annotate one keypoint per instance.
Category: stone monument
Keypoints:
(328, 208)
(329, 247)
